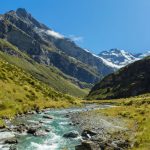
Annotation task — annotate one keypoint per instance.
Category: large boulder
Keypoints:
(22, 128)
(32, 130)
(88, 133)
(48, 130)
(121, 144)
(2, 126)
(36, 132)
(72, 134)
(40, 133)
(87, 145)
(47, 117)
(13, 147)
(11, 141)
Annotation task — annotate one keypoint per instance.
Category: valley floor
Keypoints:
(125, 124)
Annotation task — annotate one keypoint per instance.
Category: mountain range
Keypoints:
(54, 59)
(59, 58)
(120, 58)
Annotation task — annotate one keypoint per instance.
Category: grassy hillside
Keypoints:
(129, 81)
(21, 92)
(49, 75)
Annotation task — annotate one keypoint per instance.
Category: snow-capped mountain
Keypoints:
(120, 58)
(144, 54)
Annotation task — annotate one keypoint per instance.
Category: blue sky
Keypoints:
(94, 24)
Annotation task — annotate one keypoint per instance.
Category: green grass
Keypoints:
(49, 75)
(20, 92)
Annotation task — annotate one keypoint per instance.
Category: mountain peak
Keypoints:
(118, 57)
(21, 12)
(22, 15)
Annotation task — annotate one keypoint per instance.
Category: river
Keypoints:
(58, 126)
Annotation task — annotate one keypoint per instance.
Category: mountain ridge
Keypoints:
(41, 48)
(48, 49)
(131, 80)
(121, 58)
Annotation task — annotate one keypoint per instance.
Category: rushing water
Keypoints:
(59, 125)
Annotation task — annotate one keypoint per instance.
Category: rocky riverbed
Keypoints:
(58, 129)
(101, 132)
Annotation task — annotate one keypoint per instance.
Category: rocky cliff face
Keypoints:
(129, 81)
(49, 48)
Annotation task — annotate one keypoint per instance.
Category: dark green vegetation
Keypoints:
(129, 81)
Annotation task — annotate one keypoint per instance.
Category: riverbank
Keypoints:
(47, 129)
(133, 112)
(101, 131)
(124, 126)
(29, 107)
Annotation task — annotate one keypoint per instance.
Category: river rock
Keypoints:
(72, 134)
(47, 117)
(121, 143)
(87, 145)
(48, 130)
(11, 141)
(41, 121)
(88, 133)
(71, 124)
(13, 147)
(6, 135)
(2, 126)
(67, 115)
(22, 128)
(32, 130)
(40, 133)
(31, 112)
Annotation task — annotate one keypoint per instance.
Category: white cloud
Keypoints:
(60, 36)
(76, 38)
(55, 34)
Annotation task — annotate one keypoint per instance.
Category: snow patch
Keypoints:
(117, 58)
(86, 50)
(145, 55)
(108, 63)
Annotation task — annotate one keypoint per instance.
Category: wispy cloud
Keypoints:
(58, 35)
(76, 38)
(54, 34)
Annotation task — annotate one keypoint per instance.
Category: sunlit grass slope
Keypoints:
(49, 75)
(20, 92)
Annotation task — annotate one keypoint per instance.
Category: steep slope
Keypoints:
(37, 40)
(49, 75)
(129, 81)
(71, 49)
(21, 92)
(48, 47)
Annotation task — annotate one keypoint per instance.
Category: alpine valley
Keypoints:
(103, 99)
